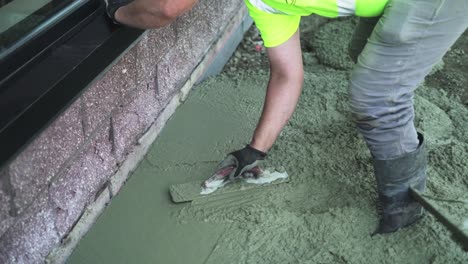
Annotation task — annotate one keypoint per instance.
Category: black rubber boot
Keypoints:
(394, 177)
(112, 6)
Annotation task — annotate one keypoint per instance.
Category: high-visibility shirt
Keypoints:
(278, 20)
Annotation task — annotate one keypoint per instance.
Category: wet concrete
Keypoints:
(138, 226)
(325, 214)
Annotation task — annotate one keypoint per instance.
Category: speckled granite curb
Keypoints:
(54, 190)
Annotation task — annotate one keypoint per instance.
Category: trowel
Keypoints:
(218, 184)
(459, 232)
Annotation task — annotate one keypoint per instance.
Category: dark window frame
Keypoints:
(72, 53)
(27, 29)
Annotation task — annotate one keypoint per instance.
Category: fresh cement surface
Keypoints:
(326, 213)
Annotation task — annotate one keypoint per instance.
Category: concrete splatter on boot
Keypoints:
(394, 177)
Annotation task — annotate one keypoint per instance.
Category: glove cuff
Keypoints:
(256, 151)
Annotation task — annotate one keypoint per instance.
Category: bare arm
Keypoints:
(146, 14)
(284, 88)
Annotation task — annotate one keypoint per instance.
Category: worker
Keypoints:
(395, 45)
(146, 14)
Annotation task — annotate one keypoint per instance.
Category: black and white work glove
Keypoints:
(238, 163)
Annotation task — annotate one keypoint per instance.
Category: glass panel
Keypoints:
(21, 20)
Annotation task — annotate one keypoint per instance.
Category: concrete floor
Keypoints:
(140, 225)
(138, 228)
(143, 226)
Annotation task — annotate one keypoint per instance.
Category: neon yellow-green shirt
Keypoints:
(278, 20)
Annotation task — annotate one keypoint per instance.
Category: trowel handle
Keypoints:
(457, 234)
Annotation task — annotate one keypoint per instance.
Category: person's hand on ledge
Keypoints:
(147, 14)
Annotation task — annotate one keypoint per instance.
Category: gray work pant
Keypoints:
(407, 41)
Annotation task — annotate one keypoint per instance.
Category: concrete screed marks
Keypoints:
(328, 210)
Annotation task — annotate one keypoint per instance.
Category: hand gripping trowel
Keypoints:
(220, 183)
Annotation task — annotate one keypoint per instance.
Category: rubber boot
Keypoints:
(394, 177)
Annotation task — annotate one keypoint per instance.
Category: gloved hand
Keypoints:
(241, 162)
(113, 5)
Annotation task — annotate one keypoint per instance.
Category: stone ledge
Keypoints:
(31, 171)
(73, 168)
(117, 181)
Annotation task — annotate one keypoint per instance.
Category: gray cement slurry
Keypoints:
(327, 211)
(325, 214)
(138, 226)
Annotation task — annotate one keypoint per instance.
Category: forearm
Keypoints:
(284, 88)
(147, 14)
(280, 102)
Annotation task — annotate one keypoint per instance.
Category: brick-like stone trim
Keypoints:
(52, 192)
